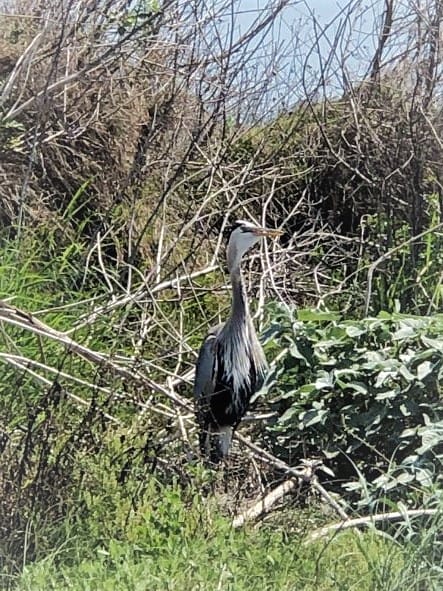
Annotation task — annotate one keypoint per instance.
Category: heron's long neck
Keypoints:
(239, 308)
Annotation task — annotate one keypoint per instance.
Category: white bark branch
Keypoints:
(369, 520)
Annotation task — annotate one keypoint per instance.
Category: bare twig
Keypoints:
(386, 31)
(24, 320)
(137, 296)
(39, 378)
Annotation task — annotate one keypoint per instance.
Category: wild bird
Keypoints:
(231, 365)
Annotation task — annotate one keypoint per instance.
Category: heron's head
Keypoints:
(243, 236)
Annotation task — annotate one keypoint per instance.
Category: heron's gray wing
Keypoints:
(206, 368)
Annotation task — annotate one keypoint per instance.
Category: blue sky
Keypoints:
(309, 32)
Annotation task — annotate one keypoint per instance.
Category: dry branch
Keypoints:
(265, 504)
(306, 473)
(138, 295)
(368, 521)
(27, 321)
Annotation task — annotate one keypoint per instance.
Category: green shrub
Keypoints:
(366, 395)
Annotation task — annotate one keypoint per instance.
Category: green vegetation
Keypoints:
(94, 510)
(170, 544)
(177, 539)
(131, 136)
(367, 393)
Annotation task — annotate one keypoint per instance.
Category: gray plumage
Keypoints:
(231, 365)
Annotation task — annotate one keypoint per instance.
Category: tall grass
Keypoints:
(181, 541)
(172, 544)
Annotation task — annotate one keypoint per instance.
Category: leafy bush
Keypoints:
(366, 395)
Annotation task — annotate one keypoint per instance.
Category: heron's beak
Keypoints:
(270, 233)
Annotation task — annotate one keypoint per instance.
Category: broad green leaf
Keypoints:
(311, 417)
(347, 371)
(372, 359)
(406, 374)
(327, 471)
(287, 415)
(318, 404)
(413, 459)
(297, 354)
(430, 438)
(411, 432)
(424, 369)
(424, 477)
(355, 331)
(386, 395)
(405, 411)
(316, 316)
(405, 332)
(359, 387)
(384, 315)
(383, 376)
(306, 388)
(405, 477)
(330, 454)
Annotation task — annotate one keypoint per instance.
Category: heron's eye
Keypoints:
(241, 225)
(236, 226)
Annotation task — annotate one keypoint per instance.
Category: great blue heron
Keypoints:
(231, 364)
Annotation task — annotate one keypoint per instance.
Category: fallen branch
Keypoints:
(367, 521)
(265, 504)
(299, 473)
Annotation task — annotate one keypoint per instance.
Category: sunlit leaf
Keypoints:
(383, 376)
(311, 417)
(436, 344)
(359, 387)
(316, 316)
(405, 332)
(297, 354)
(424, 369)
(354, 331)
(406, 374)
(324, 381)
